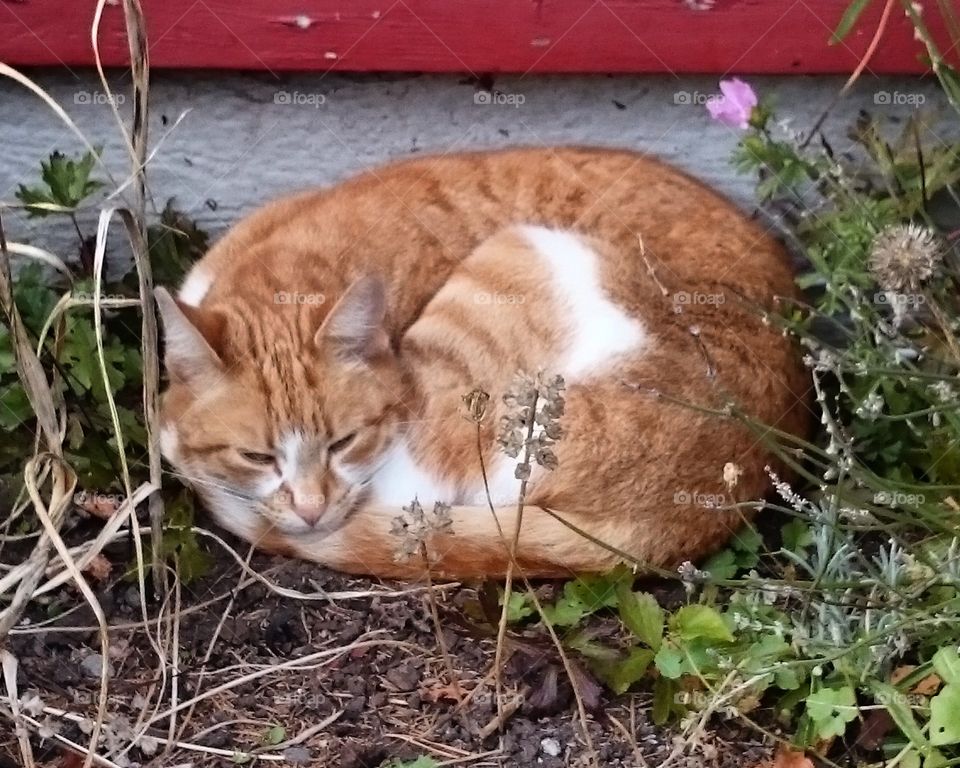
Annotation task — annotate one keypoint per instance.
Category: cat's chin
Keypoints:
(294, 527)
(303, 531)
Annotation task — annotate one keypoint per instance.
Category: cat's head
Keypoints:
(280, 418)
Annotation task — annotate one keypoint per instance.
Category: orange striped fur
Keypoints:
(318, 355)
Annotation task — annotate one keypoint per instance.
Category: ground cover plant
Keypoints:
(828, 631)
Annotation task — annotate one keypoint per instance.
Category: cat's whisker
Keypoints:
(217, 486)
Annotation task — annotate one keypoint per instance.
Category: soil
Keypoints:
(373, 686)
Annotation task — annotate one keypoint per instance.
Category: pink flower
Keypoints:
(734, 105)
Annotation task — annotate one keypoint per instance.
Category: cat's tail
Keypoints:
(476, 544)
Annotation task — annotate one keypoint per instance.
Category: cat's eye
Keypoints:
(255, 457)
(343, 442)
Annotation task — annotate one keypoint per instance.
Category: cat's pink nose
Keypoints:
(309, 507)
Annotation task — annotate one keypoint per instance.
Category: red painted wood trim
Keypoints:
(472, 36)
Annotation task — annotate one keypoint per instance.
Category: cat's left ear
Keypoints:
(193, 341)
(354, 327)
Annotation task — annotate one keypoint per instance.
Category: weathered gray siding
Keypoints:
(251, 137)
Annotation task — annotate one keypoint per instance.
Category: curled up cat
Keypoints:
(319, 357)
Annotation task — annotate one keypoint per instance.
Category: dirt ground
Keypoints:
(347, 673)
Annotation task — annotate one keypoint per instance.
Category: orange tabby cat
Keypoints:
(318, 356)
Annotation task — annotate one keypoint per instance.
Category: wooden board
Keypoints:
(470, 36)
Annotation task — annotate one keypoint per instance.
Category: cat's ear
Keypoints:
(354, 327)
(191, 339)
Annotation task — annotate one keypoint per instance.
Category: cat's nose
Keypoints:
(308, 506)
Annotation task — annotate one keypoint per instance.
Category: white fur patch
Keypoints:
(400, 479)
(169, 443)
(502, 482)
(195, 287)
(291, 446)
(600, 330)
(233, 514)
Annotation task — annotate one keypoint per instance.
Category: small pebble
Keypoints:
(92, 666)
(550, 747)
(297, 755)
(132, 597)
(404, 677)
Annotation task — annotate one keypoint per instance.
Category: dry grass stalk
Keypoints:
(514, 567)
(8, 662)
(48, 480)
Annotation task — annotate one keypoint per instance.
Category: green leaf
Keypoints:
(693, 621)
(420, 762)
(586, 595)
(68, 183)
(831, 709)
(564, 613)
(747, 540)
(786, 679)
(174, 243)
(15, 408)
(911, 759)
(796, 535)
(896, 704)
(945, 716)
(598, 591)
(621, 674)
(946, 662)
(664, 694)
(669, 662)
(519, 606)
(642, 615)
(275, 735)
(582, 642)
(848, 19)
(722, 565)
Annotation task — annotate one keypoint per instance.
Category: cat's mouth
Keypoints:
(334, 518)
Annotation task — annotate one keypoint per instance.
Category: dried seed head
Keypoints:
(475, 404)
(731, 475)
(442, 522)
(904, 256)
(532, 422)
(415, 526)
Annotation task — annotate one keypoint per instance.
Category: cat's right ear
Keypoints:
(354, 327)
(191, 338)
